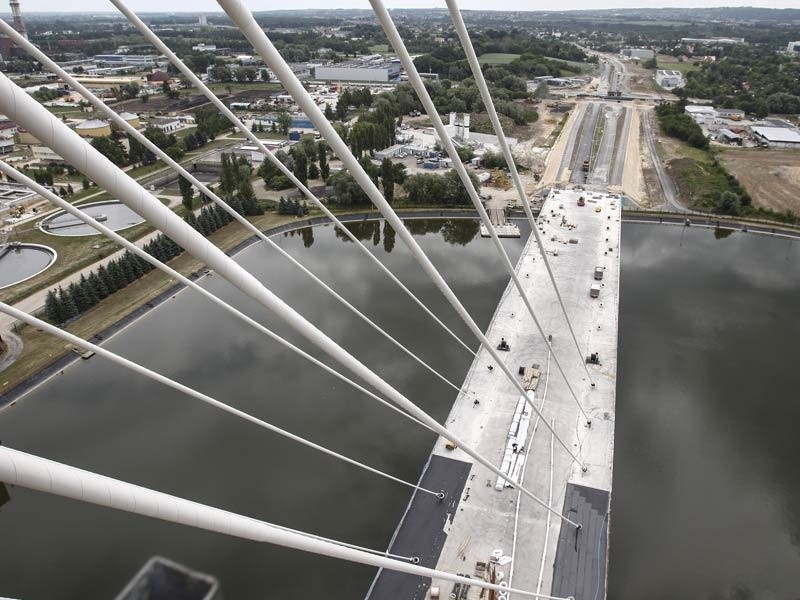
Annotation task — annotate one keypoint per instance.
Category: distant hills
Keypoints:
(773, 16)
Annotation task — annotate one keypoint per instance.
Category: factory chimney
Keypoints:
(19, 24)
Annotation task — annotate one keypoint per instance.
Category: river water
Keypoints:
(704, 481)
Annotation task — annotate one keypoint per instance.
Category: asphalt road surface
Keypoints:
(583, 151)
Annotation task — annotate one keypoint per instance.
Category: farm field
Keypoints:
(670, 63)
(772, 177)
(497, 58)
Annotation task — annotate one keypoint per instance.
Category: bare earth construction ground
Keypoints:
(771, 176)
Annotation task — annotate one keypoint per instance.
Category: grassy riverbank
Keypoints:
(41, 350)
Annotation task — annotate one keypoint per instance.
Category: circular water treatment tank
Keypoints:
(111, 213)
(19, 262)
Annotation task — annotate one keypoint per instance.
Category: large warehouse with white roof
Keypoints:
(777, 137)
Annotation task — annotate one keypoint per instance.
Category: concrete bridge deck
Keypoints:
(488, 516)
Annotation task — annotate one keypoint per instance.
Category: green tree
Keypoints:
(111, 149)
(68, 302)
(79, 297)
(187, 192)
(783, 103)
(300, 168)
(313, 171)
(97, 284)
(107, 279)
(459, 232)
(284, 122)
(465, 153)
(387, 179)
(542, 91)
(89, 290)
(322, 155)
(341, 106)
(307, 233)
(389, 235)
(345, 190)
(53, 308)
(730, 203)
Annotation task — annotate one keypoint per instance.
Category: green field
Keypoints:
(497, 58)
(233, 86)
(670, 63)
(379, 48)
(583, 66)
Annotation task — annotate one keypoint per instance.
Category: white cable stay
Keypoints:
(43, 475)
(203, 88)
(27, 112)
(399, 46)
(480, 81)
(10, 171)
(124, 125)
(171, 383)
(241, 16)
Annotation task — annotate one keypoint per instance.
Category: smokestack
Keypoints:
(19, 24)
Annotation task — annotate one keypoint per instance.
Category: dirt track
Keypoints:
(772, 177)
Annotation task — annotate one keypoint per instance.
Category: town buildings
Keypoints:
(669, 79)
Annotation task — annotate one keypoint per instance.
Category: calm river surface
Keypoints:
(705, 480)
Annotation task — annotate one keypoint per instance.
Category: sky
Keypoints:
(212, 6)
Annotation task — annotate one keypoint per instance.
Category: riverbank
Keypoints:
(44, 356)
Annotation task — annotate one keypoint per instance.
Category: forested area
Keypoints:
(676, 123)
(757, 80)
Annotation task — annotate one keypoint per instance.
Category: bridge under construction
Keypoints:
(485, 528)
(515, 496)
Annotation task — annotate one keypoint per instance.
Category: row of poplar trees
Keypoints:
(62, 305)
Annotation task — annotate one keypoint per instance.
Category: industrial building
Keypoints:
(669, 79)
(637, 53)
(167, 124)
(159, 77)
(93, 128)
(712, 41)
(777, 137)
(131, 118)
(729, 137)
(7, 128)
(138, 60)
(375, 70)
(732, 114)
(14, 194)
(793, 47)
(44, 155)
(300, 70)
(558, 81)
(299, 121)
(701, 114)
